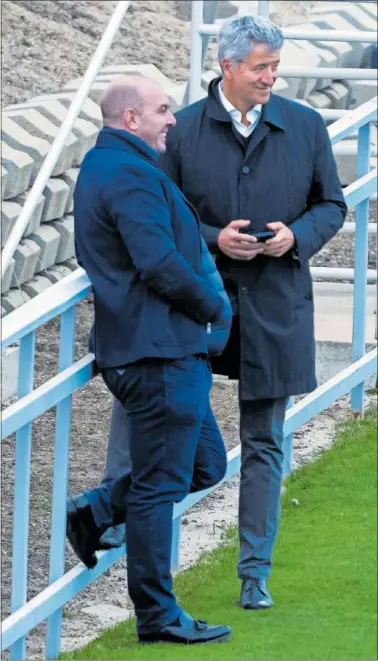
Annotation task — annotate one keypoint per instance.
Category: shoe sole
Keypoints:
(220, 639)
(90, 561)
(256, 608)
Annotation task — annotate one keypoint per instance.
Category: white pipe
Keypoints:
(327, 72)
(350, 148)
(350, 228)
(263, 8)
(196, 52)
(331, 274)
(364, 36)
(56, 147)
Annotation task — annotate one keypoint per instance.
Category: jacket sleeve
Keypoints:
(326, 207)
(170, 164)
(142, 217)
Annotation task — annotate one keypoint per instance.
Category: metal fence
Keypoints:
(199, 29)
(61, 301)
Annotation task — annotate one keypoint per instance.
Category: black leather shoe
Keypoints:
(113, 537)
(255, 595)
(187, 631)
(82, 531)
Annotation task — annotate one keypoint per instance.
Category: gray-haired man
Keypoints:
(251, 161)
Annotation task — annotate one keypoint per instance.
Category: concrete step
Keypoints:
(334, 312)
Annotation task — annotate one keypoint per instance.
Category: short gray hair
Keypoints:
(240, 35)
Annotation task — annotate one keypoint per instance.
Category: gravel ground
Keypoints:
(339, 252)
(46, 43)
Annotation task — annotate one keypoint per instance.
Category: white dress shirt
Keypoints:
(252, 116)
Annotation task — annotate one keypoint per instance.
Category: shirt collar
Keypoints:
(272, 112)
(251, 115)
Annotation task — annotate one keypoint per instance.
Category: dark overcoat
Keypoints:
(288, 174)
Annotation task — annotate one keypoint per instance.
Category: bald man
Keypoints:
(139, 241)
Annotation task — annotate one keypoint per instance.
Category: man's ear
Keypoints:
(131, 119)
(226, 68)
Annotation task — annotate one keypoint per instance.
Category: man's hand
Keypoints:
(281, 243)
(236, 245)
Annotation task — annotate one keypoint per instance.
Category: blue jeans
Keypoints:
(175, 447)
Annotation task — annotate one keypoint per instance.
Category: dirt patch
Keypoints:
(339, 252)
(46, 43)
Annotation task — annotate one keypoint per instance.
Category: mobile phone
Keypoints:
(260, 236)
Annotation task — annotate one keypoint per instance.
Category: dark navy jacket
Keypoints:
(139, 241)
(288, 174)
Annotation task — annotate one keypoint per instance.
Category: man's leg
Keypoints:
(108, 528)
(210, 462)
(209, 468)
(106, 520)
(118, 463)
(118, 460)
(261, 433)
(167, 403)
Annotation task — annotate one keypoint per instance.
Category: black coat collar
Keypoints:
(271, 112)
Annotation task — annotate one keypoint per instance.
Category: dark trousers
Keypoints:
(175, 446)
(261, 434)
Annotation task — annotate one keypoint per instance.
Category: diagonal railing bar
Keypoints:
(56, 147)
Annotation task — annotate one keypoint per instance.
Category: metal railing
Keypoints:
(61, 301)
(200, 29)
(48, 165)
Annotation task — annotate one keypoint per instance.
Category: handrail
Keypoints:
(76, 286)
(56, 147)
(361, 36)
(199, 29)
(54, 301)
(353, 120)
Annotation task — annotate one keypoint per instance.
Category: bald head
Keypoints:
(140, 106)
(123, 93)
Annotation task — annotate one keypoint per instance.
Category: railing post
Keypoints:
(288, 447)
(210, 13)
(263, 8)
(361, 267)
(176, 539)
(60, 484)
(196, 51)
(22, 492)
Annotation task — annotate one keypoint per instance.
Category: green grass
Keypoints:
(324, 578)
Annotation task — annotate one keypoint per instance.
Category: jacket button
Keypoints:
(244, 291)
(245, 169)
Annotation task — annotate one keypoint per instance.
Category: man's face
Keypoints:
(253, 79)
(155, 119)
